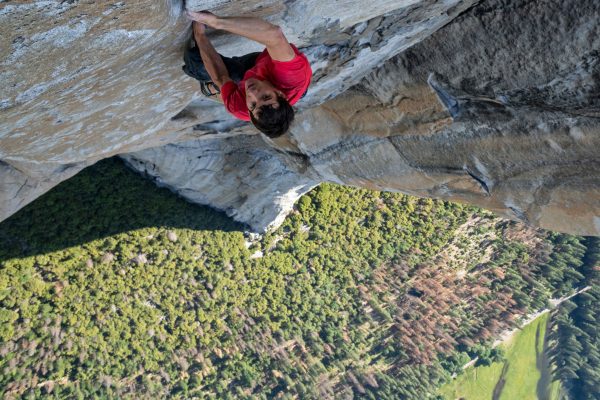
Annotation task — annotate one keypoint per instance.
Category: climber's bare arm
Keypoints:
(212, 60)
(252, 28)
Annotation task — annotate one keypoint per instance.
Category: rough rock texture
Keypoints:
(495, 103)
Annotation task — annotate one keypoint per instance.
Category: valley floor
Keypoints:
(111, 287)
(524, 374)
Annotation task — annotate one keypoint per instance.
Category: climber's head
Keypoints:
(269, 110)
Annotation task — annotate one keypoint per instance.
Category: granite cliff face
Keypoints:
(493, 103)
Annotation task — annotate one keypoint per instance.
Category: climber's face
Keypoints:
(261, 93)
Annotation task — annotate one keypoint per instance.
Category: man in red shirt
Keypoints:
(257, 87)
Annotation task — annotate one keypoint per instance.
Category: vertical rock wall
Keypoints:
(494, 103)
(499, 109)
(81, 81)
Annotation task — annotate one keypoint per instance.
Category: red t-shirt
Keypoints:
(291, 77)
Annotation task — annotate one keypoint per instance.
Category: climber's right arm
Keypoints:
(212, 60)
(252, 28)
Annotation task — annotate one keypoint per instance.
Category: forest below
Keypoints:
(112, 287)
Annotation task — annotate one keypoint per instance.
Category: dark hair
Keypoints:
(274, 122)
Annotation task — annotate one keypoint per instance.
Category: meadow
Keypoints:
(523, 374)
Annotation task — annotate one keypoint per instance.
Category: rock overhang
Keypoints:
(520, 142)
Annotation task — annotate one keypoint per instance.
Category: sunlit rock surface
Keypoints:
(250, 180)
(492, 103)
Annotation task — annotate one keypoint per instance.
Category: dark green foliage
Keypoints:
(454, 362)
(563, 268)
(486, 355)
(575, 350)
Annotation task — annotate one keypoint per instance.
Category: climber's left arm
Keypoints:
(212, 60)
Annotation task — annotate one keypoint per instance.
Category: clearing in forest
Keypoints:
(518, 377)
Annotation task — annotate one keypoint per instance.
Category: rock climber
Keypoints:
(258, 87)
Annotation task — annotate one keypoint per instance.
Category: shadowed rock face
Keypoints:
(496, 105)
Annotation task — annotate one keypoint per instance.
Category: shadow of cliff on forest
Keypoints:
(102, 200)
